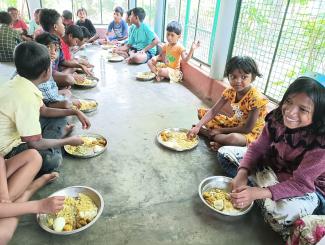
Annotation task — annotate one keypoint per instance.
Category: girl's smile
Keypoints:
(297, 111)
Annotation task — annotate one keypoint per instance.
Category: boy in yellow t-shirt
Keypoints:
(171, 55)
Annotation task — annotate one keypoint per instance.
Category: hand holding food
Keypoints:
(75, 140)
(83, 119)
(192, 133)
(51, 204)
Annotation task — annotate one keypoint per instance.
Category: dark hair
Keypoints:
(140, 13)
(174, 26)
(47, 38)
(85, 32)
(244, 63)
(75, 31)
(48, 18)
(119, 10)
(31, 59)
(11, 9)
(316, 92)
(37, 11)
(5, 18)
(67, 14)
(129, 12)
(82, 9)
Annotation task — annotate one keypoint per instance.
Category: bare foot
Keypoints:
(37, 184)
(214, 146)
(68, 129)
(158, 78)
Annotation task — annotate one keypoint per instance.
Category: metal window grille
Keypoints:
(149, 7)
(286, 38)
(199, 21)
(98, 11)
(21, 5)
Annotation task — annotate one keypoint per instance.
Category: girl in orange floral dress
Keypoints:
(248, 104)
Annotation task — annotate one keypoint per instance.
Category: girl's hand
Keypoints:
(195, 45)
(83, 119)
(239, 180)
(85, 63)
(193, 132)
(244, 196)
(51, 204)
(74, 140)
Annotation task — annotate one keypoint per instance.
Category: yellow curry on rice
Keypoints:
(76, 213)
(177, 140)
(86, 105)
(85, 82)
(90, 146)
(219, 200)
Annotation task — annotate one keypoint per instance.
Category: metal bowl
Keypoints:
(221, 182)
(88, 155)
(73, 191)
(140, 77)
(92, 109)
(94, 83)
(160, 141)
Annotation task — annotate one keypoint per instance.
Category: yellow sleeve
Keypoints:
(27, 118)
(256, 100)
(229, 94)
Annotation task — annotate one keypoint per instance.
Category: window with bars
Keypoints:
(286, 38)
(21, 5)
(149, 7)
(98, 11)
(199, 21)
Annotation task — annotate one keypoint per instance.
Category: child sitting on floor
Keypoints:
(287, 161)
(248, 104)
(25, 121)
(118, 28)
(83, 21)
(142, 42)
(51, 22)
(17, 186)
(171, 55)
(52, 96)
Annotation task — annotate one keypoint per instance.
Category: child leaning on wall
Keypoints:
(248, 104)
(287, 162)
(171, 55)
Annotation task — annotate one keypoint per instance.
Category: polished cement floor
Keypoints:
(150, 193)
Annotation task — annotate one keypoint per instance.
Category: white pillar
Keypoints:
(33, 5)
(159, 19)
(222, 39)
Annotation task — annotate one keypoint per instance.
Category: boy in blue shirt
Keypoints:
(142, 42)
(118, 28)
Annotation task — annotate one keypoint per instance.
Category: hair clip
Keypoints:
(320, 78)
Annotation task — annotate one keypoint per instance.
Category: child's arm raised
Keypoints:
(186, 57)
(207, 117)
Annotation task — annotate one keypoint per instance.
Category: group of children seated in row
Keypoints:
(282, 152)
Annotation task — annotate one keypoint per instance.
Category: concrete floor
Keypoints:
(150, 192)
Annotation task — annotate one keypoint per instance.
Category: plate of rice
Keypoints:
(87, 105)
(94, 145)
(82, 207)
(176, 139)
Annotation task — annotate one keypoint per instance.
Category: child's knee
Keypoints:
(34, 157)
(5, 236)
